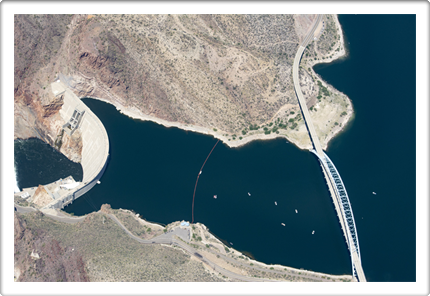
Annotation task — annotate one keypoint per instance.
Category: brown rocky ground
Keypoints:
(39, 256)
(95, 250)
(227, 74)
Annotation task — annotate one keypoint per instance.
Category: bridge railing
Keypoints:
(344, 205)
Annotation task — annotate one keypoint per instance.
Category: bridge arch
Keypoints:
(344, 205)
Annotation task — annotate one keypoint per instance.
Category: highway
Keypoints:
(330, 177)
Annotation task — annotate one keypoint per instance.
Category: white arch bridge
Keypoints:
(346, 217)
(334, 182)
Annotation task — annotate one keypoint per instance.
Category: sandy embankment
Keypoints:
(321, 120)
(137, 114)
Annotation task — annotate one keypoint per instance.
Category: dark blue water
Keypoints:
(378, 151)
(38, 163)
(153, 169)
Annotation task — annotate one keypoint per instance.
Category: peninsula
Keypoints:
(229, 76)
(225, 75)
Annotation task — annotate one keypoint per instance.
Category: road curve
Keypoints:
(169, 238)
(177, 242)
(356, 261)
(65, 219)
(302, 101)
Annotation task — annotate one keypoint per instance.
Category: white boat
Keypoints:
(282, 224)
(313, 231)
(276, 203)
(249, 194)
(231, 243)
(296, 211)
(98, 182)
(215, 196)
(200, 172)
(374, 193)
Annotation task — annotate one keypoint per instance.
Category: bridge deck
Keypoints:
(334, 182)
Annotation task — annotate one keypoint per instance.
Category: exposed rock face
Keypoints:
(51, 105)
(41, 197)
(220, 72)
(52, 263)
(106, 208)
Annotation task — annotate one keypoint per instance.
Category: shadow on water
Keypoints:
(40, 164)
(153, 169)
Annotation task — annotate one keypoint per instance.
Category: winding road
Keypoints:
(178, 237)
(357, 269)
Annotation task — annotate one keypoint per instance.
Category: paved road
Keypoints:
(316, 143)
(169, 238)
(63, 218)
(24, 210)
(302, 101)
(255, 267)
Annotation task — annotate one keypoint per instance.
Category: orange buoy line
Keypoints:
(197, 181)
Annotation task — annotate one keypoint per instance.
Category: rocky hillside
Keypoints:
(230, 74)
(39, 257)
(95, 250)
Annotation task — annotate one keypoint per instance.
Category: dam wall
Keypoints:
(95, 150)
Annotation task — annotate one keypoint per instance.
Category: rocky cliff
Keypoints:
(230, 74)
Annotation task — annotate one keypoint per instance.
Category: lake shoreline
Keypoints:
(216, 245)
(135, 113)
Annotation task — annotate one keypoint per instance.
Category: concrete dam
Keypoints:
(95, 153)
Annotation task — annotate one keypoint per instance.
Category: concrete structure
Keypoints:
(334, 182)
(74, 122)
(95, 151)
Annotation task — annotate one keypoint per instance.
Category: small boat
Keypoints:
(276, 203)
(231, 243)
(98, 182)
(200, 172)
(282, 224)
(296, 211)
(215, 196)
(374, 193)
(249, 194)
(313, 231)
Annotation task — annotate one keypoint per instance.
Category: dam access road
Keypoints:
(334, 182)
(181, 238)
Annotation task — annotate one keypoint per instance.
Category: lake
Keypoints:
(153, 169)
